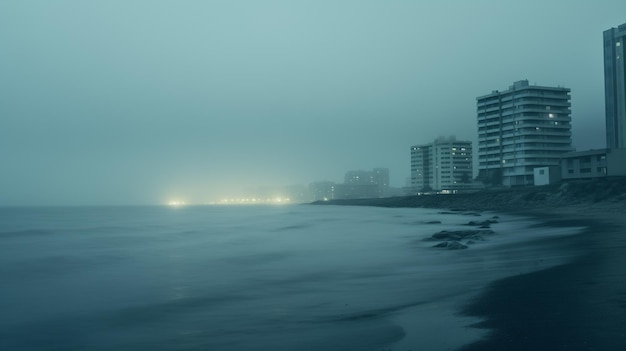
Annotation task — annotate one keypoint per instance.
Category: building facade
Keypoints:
(593, 164)
(547, 175)
(445, 164)
(364, 184)
(322, 191)
(615, 86)
(524, 127)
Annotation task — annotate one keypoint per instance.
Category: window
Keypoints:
(542, 171)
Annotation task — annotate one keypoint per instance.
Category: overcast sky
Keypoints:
(139, 102)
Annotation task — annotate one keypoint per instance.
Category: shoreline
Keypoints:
(580, 305)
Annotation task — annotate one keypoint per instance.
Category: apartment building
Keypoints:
(445, 164)
(522, 128)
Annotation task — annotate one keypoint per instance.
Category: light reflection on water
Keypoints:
(244, 278)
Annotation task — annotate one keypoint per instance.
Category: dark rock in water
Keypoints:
(495, 217)
(482, 223)
(455, 245)
(451, 245)
(458, 209)
(487, 226)
(459, 234)
(433, 222)
(441, 235)
(476, 237)
(446, 212)
(475, 214)
(451, 239)
(470, 242)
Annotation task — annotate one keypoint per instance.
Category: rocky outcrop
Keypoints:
(486, 223)
(451, 240)
(432, 222)
(451, 245)
(457, 235)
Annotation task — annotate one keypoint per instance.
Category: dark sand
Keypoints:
(577, 306)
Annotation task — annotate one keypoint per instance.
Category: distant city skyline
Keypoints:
(148, 102)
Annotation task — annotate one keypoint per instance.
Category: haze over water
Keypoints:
(148, 101)
(248, 278)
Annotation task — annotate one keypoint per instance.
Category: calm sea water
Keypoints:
(248, 278)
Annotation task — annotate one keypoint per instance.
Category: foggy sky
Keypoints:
(139, 102)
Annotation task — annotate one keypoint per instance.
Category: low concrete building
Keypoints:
(546, 175)
(592, 164)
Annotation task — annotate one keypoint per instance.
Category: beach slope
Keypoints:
(576, 306)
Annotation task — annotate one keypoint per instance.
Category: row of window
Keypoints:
(496, 116)
(588, 170)
(564, 138)
(510, 122)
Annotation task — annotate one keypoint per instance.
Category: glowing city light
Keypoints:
(253, 201)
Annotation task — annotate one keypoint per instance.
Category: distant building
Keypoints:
(322, 191)
(381, 178)
(615, 86)
(355, 191)
(593, 164)
(364, 184)
(520, 129)
(359, 178)
(445, 164)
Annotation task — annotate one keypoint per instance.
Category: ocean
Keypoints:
(290, 277)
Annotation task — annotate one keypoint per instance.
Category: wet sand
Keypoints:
(576, 306)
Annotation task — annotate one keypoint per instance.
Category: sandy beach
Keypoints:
(580, 305)
(576, 306)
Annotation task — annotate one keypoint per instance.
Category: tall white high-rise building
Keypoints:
(445, 164)
(519, 129)
(615, 86)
